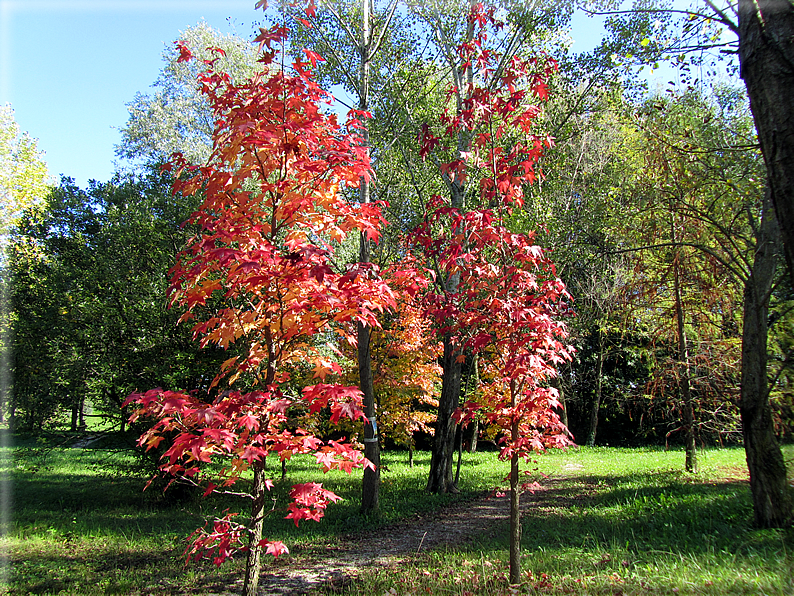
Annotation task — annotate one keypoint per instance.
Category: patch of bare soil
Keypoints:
(398, 543)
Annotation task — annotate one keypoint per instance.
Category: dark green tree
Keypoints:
(89, 300)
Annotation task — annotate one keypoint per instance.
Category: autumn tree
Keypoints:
(260, 275)
(494, 292)
(487, 99)
(705, 200)
(760, 34)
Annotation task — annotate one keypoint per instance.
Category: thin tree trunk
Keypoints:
(475, 424)
(687, 406)
(596, 405)
(475, 432)
(75, 416)
(255, 524)
(114, 398)
(253, 561)
(772, 506)
(556, 382)
(81, 415)
(460, 453)
(370, 486)
(515, 504)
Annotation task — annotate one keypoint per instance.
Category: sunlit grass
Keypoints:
(619, 521)
(608, 521)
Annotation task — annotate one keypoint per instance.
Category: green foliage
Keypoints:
(176, 117)
(89, 301)
(23, 173)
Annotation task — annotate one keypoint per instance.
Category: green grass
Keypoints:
(621, 521)
(611, 521)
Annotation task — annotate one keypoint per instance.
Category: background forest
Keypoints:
(654, 206)
(641, 188)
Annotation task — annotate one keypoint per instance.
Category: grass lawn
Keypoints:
(621, 521)
(610, 521)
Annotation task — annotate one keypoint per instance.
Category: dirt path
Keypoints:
(400, 542)
(392, 544)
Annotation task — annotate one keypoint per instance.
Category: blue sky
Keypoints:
(68, 67)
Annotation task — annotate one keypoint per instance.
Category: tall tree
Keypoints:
(272, 214)
(494, 292)
(717, 199)
(766, 54)
(487, 126)
(23, 184)
(352, 31)
(175, 116)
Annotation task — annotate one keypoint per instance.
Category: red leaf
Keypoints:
(184, 52)
(275, 548)
(314, 57)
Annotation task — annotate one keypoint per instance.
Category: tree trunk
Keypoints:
(766, 57)
(460, 453)
(114, 398)
(370, 485)
(475, 424)
(475, 431)
(75, 416)
(81, 415)
(440, 478)
(688, 413)
(772, 507)
(259, 467)
(252, 566)
(591, 435)
(556, 382)
(515, 504)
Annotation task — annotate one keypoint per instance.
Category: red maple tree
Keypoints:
(259, 276)
(495, 293)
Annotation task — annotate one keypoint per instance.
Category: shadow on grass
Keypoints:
(666, 512)
(118, 572)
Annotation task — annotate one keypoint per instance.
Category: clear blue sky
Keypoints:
(68, 67)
